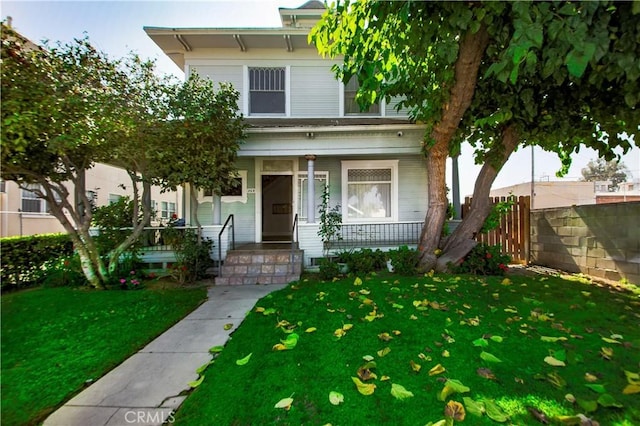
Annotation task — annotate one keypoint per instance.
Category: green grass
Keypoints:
(55, 339)
(467, 308)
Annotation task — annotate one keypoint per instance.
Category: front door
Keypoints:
(277, 207)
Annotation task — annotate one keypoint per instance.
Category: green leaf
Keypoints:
(494, 412)
(552, 339)
(497, 339)
(196, 383)
(452, 386)
(203, 367)
(399, 391)
(291, 341)
(336, 398)
(481, 342)
(607, 401)
(244, 360)
(473, 407)
(587, 406)
(577, 60)
(216, 349)
(489, 357)
(554, 362)
(596, 388)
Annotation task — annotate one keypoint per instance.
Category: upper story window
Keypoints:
(267, 94)
(351, 106)
(30, 201)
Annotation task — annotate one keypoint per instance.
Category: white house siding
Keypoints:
(390, 109)
(412, 197)
(314, 91)
(223, 73)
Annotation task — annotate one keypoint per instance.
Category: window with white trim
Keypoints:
(113, 198)
(351, 106)
(238, 190)
(167, 209)
(321, 179)
(30, 201)
(370, 190)
(267, 90)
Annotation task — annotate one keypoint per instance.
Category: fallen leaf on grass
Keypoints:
(452, 386)
(607, 401)
(310, 330)
(473, 407)
(631, 389)
(336, 398)
(438, 369)
(216, 349)
(196, 383)
(415, 367)
(494, 412)
(364, 388)
(284, 403)
(606, 353)
(486, 373)
(365, 372)
(489, 357)
(385, 337)
(552, 339)
(399, 392)
(454, 410)
(243, 361)
(554, 362)
(383, 352)
(590, 377)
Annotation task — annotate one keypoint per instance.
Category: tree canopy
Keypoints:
(498, 75)
(67, 107)
(601, 170)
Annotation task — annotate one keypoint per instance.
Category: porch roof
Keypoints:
(257, 123)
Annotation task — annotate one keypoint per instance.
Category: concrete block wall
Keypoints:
(600, 240)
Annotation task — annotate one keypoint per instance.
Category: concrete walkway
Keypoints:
(145, 389)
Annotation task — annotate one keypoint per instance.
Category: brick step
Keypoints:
(246, 267)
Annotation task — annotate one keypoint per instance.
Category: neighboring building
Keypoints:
(548, 194)
(22, 213)
(627, 191)
(302, 120)
(551, 194)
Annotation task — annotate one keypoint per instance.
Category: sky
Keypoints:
(116, 28)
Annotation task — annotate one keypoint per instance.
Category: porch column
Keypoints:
(311, 188)
(217, 207)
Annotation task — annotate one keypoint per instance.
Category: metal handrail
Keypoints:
(233, 240)
(294, 237)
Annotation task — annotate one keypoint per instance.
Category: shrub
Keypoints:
(328, 269)
(64, 271)
(364, 261)
(25, 259)
(193, 258)
(404, 260)
(484, 259)
(114, 223)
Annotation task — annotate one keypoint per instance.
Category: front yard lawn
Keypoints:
(54, 340)
(525, 351)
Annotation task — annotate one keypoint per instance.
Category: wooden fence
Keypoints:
(513, 233)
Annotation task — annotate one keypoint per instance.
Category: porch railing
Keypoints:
(294, 236)
(378, 234)
(233, 239)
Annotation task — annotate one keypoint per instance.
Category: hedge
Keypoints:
(24, 258)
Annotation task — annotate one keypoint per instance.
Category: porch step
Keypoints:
(262, 266)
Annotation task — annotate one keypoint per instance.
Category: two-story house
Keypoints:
(303, 122)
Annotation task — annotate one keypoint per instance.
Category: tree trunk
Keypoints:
(472, 49)
(139, 224)
(193, 195)
(459, 243)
